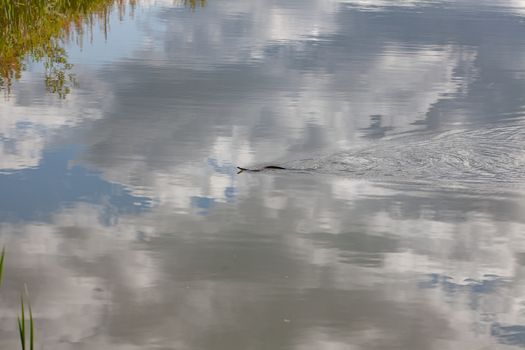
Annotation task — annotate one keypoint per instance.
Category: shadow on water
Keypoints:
(37, 31)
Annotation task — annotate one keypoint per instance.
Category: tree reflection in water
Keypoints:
(36, 30)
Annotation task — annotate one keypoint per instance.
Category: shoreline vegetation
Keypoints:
(37, 31)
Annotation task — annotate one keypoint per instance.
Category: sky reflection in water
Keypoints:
(122, 211)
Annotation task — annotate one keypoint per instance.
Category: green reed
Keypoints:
(21, 319)
(2, 264)
(22, 331)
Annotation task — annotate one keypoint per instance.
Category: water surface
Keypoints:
(400, 226)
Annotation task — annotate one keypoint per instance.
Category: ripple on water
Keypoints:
(484, 156)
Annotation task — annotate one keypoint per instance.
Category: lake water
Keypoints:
(399, 222)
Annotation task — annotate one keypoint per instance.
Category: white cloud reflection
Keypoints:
(163, 278)
(27, 129)
(221, 261)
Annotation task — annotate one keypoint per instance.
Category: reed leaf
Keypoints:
(22, 324)
(21, 321)
(2, 264)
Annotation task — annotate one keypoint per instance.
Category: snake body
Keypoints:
(268, 167)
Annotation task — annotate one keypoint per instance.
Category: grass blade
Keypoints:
(2, 264)
(21, 332)
(31, 328)
(22, 324)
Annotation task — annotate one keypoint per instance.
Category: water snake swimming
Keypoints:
(268, 167)
(484, 157)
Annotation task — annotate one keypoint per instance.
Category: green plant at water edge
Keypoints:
(22, 326)
(21, 319)
(38, 29)
(193, 4)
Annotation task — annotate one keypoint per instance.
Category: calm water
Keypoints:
(401, 224)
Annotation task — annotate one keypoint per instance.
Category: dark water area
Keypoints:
(398, 223)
